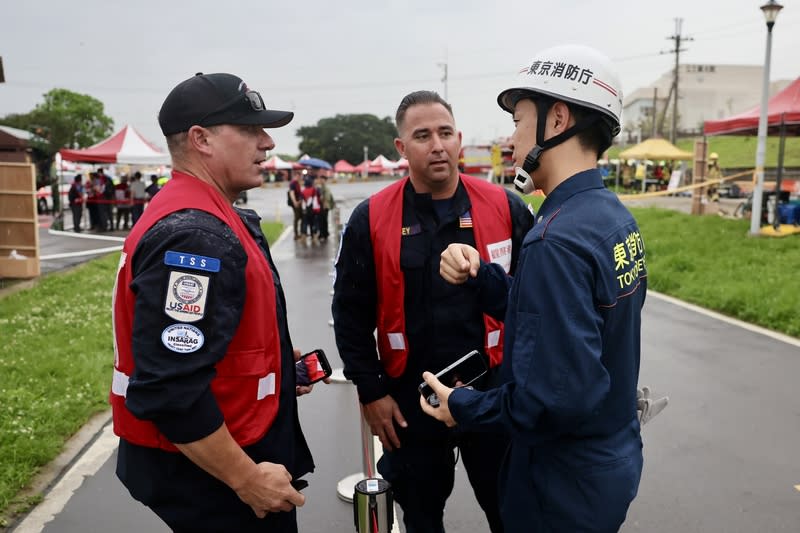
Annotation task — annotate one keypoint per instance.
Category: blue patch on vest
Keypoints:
(196, 262)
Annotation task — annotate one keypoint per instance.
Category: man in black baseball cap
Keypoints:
(213, 99)
(204, 387)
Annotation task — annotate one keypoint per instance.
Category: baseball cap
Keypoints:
(214, 99)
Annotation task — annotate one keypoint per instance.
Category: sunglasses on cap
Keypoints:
(253, 99)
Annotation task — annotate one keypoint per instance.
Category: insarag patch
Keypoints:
(192, 261)
(182, 338)
(186, 296)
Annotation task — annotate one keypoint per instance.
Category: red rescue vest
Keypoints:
(491, 225)
(247, 382)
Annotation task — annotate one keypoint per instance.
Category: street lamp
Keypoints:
(770, 10)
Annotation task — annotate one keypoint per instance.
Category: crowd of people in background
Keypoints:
(110, 206)
(311, 201)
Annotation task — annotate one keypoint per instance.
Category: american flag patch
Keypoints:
(465, 220)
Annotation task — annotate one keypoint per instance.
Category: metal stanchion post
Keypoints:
(346, 486)
(373, 508)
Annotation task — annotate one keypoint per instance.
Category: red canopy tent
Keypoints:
(343, 166)
(127, 146)
(782, 109)
(371, 169)
(783, 117)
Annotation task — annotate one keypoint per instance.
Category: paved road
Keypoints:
(722, 457)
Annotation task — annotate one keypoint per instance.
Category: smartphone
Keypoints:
(466, 370)
(312, 367)
(299, 484)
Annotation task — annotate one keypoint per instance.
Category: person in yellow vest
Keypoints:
(387, 277)
(713, 173)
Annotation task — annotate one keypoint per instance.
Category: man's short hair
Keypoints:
(419, 98)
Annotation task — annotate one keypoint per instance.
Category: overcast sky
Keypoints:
(319, 58)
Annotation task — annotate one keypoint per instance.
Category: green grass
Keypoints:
(272, 230)
(711, 262)
(738, 151)
(55, 365)
(56, 360)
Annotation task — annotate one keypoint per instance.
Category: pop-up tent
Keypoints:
(655, 149)
(782, 109)
(276, 163)
(783, 118)
(126, 147)
(343, 166)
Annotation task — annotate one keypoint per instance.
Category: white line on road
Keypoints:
(86, 236)
(55, 501)
(82, 253)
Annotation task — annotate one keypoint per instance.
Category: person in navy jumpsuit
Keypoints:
(573, 314)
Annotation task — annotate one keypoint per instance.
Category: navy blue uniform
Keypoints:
(443, 322)
(181, 404)
(570, 366)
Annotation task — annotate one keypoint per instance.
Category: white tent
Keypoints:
(383, 162)
(276, 163)
(127, 147)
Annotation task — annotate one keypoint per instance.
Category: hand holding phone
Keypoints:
(312, 367)
(463, 373)
(298, 484)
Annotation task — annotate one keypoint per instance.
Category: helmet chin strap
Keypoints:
(522, 180)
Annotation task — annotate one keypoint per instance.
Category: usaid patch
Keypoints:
(182, 338)
(196, 262)
(186, 296)
(500, 253)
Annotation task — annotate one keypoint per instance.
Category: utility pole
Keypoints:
(677, 37)
(2, 76)
(653, 113)
(444, 77)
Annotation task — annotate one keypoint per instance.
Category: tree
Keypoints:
(345, 136)
(64, 119)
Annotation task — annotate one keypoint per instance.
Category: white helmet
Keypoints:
(573, 73)
(577, 75)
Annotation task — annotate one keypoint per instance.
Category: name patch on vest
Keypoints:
(500, 253)
(407, 231)
(182, 338)
(193, 261)
(186, 296)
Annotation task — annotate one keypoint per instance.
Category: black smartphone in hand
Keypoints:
(299, 484)
(312, 367)
(463, 372)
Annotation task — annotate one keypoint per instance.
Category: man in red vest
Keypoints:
(203, 391)
(387, 278)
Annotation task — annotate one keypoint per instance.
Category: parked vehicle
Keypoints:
(729, 189)
(44, 198)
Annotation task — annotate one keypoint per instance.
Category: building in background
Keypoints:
(706, 92)
(15, 145)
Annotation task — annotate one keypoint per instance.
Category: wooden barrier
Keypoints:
(19, 227)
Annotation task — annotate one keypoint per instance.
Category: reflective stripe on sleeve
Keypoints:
(119, 383)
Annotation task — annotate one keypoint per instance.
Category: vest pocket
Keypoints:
(243, 363)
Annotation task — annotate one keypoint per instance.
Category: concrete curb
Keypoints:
(49, 474)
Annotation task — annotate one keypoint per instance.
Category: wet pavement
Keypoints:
(721, 457)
